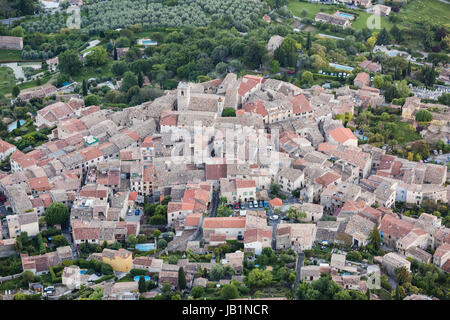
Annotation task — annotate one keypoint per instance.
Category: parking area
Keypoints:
(134, 215)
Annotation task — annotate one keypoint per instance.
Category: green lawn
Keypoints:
(312, 9)
(10, 55)
(7, 80)
(426, 10)
(92, 72)
(403, 133)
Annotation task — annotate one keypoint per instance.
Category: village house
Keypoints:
(393, 261)
(73, 278)
(332, 19)
(230, 227)
(6, 149)
(26, 222)
(120, 260)
(362, 79)
(290, 179)
(298, 236)
(152, 265)
(441, 255)
(343, 136)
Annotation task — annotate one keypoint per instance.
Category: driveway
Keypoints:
(18, 71)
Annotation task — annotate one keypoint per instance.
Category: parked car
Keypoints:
(242, 205)
(261, 204)
(266, 204)
(236, 205)
(250, 205)
(255, 204)
(137, 212)
(274, 217)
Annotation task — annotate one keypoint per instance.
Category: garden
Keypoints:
(115, 14)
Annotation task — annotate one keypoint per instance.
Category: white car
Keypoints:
(274, 217)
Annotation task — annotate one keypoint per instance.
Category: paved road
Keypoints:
(301, 258)
(214, 203)
(442, 158)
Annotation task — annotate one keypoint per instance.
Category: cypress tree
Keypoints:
(181, 279)
(142, 287)
(308, 41)
(85, 87)
(115, 53)
(140, 80)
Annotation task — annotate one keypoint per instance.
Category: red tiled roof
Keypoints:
(240, 184)
(5, 146)
(276, 202)
(192, 220)
(300, 104)
(341, 135)
(39, 184)
(215, 171)
(395, 227)
(248, 82)
(224, 222)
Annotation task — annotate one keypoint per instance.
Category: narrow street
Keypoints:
(301, 257)
(214, 203)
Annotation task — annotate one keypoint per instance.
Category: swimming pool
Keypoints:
(82, 271)
(341, 67)
(145, 246)
(136, 278)
(393, 53)
(149, 42)
(345, 15)
(13, 125)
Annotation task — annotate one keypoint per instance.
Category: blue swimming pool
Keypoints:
(149, 42)
(82, 271)
(341, 67)
(136, 278)
(345, 15)
(13, 125)
(145, 246)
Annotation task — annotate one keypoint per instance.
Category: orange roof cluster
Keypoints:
(224, 223)
(342, 135)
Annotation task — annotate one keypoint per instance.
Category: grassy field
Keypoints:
(7, 80)
(92, 72)
(426, 10)
(312, 9)
(10, 55)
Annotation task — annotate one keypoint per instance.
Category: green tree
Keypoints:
(228, 112)
(85, 87)
(259, 278)
(197, 292)
(141, 284)
(378, 81)
(181, 279)
(383, 37)
(15, 91)
(229, 291)
(224, 211)
(69, 62)
(375, 239)
(98, 56)
(56, 213)
(118, 68)
(307, 77)
(424, 116)
(129, 80)
(91, 100)
(162, 243)
(274, 66)
(140, 79)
